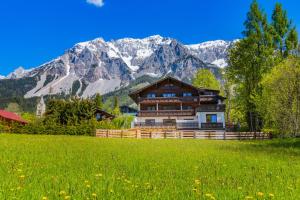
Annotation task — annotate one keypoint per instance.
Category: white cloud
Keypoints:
(98, 3)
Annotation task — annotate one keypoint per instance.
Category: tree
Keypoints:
(98, 101)
(14, 107)
(206, 79)
(249, 60)
(116, 110)
(279, 104)
(285, 36)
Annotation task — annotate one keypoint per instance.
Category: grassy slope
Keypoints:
(146, 169)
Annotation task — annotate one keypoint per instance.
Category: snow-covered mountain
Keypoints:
(98, 66)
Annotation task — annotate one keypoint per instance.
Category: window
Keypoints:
(169, 122)
(211, 118)
(151, 108)
(187, 94)
(151, 95)
(187, 108)
(169, 95)
(150, 122)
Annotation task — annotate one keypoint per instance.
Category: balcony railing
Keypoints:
(150, 113)
(180, 125)
(212, 126)
(212, 107)
(169, 100)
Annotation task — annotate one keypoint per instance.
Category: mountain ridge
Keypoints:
(98, 66)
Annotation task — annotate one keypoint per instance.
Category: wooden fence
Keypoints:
(174, 134)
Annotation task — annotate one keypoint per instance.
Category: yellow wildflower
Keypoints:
(62, 193)
(22, 176)
(271, 195)
(208, 195)
(44, 198)
(94, 195)
(197, 182)
(248, 197)
(260, 194)
(88, 186)
(67, 197)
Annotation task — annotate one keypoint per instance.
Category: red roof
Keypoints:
(11, 116)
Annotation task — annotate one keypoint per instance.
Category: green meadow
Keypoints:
(68, 167)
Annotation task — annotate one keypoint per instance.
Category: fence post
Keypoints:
(224, 137)
(138, 134)
(121, 133)
(107, 133)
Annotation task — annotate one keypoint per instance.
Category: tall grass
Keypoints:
(67, 167)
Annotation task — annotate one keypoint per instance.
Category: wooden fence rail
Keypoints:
(173, 134)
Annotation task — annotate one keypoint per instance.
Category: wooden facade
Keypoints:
(171, 101)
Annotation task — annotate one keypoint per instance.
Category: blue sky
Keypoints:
(35, 31)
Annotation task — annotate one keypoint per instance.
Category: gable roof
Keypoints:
(12, 117)
(134, 93)
(161, 80)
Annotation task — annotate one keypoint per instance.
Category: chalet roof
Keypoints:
(161, 80)
(103, 112)
(132, 94)
(11, 117)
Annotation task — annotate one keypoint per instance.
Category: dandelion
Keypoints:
(248, 197)
(44, 198)
(94, 195)
(208, 195)
(260, 194)
(67, 197)
(88, 186)
(197, 182)
(98, 175)
(62, 193)
(22, 176)
(86, 182)
(271, 195)
(19, 170)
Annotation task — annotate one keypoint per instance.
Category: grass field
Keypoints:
(65, 167)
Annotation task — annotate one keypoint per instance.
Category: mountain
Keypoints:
(98, 66)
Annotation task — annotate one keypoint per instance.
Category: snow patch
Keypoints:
(220, 63)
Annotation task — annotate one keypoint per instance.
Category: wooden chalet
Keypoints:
(10, 117)
(171, 102)
(103, 115)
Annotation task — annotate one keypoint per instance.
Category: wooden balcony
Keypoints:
(211, 108)
(169, 100)
(163, 113)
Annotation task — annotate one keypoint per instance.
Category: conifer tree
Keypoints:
(285, 36)
(249, 59)
(116, 110)
(98, 101)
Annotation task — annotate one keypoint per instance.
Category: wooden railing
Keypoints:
(153, 113)
(175, 134)
(211, 107)
(212, 126)
(169, 99)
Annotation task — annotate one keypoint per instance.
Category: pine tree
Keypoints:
(116, 110)
(249, 59)
(285, 36)
(98, 101)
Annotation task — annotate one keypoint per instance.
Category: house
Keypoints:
(103, 115)
(9, 117)
(171, 102)
(126, 110)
